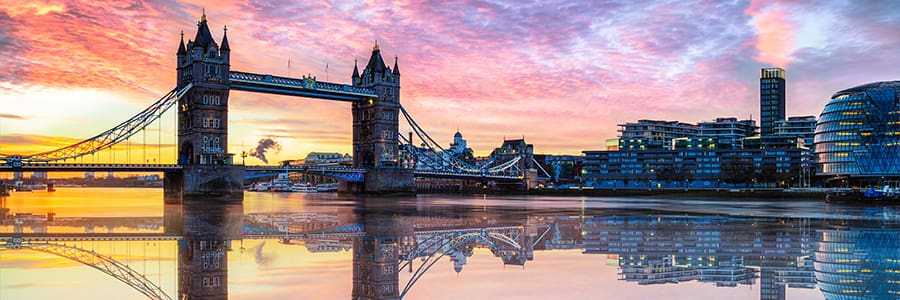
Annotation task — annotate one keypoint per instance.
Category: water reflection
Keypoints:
(207, 231)
(394, 244)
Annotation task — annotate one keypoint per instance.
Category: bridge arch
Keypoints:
(105, 264)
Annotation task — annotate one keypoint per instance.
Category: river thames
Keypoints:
(329, 246)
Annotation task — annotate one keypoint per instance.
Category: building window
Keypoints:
(209, 99)
(210, 122)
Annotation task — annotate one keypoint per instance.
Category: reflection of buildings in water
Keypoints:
(858, 262)
(294, 222)
(207, 230)
(664, 270)
(725, 251)
(328, 245)
(559, 232)
(376, 256)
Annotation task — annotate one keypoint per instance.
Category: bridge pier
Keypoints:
(213, 182)
(382, 181)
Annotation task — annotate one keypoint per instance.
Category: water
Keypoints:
(325, 246)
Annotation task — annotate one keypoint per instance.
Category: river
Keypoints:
(329, 246)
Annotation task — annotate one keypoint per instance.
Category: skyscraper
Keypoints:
(771, 99)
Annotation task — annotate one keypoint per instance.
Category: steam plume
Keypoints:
(264, 146)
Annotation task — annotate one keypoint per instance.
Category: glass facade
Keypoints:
(771, 99)
(858, 132)
(858, 264)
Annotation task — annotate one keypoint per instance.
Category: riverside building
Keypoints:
(857, 136)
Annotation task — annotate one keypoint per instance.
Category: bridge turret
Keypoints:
(376, 126)
(225, 50)
(396, 70)
(203, 114)
(355, 77)
(375, 122)
(181, 50)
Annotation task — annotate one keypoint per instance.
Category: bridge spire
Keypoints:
(355, 75)
(396, 67)
(181, 49)
(225, 46)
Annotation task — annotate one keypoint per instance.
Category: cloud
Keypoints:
(775, 33)
(561, 72)
(12, 117)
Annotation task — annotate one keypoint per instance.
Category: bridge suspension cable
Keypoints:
(433, 155)
(108, 138)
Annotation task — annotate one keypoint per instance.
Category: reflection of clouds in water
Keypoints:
(261, 259)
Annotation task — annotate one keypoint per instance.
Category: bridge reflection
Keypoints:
(844, 258)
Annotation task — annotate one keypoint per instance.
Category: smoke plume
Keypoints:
(264, 146)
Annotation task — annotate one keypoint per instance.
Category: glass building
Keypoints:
(858, 264)
(771, 99)
(858, 132)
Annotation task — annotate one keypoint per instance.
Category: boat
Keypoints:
(282, 183)
(327, 187)
(23, 188)
(304, 187)
(260, 187)
(886, 195)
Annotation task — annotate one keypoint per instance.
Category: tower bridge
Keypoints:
(384, 160)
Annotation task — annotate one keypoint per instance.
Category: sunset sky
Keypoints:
(561, 73)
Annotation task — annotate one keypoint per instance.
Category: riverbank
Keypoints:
(706, 194)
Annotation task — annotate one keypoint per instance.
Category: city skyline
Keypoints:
(488, 69)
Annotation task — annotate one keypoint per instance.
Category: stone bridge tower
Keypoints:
(376, 126)
(203, 119)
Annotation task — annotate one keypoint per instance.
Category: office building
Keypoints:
(803, 127)
(771, 99)
(727, 132)
(695, 168)
(653, 134)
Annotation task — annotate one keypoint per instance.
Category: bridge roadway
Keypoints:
(106, 167)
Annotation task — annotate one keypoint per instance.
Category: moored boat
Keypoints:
(870, 196)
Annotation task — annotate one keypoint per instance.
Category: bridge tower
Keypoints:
(375, 128)
(203, 119)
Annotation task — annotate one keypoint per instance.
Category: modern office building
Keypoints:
(858, 133)
(771, 99)
(653, 134)
(803, 127)
(708, 168)
(727, 132)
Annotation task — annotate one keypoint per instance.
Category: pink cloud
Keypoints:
(493, 69)
(775, 33)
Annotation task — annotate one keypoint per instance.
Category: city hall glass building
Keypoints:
(858, 132)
